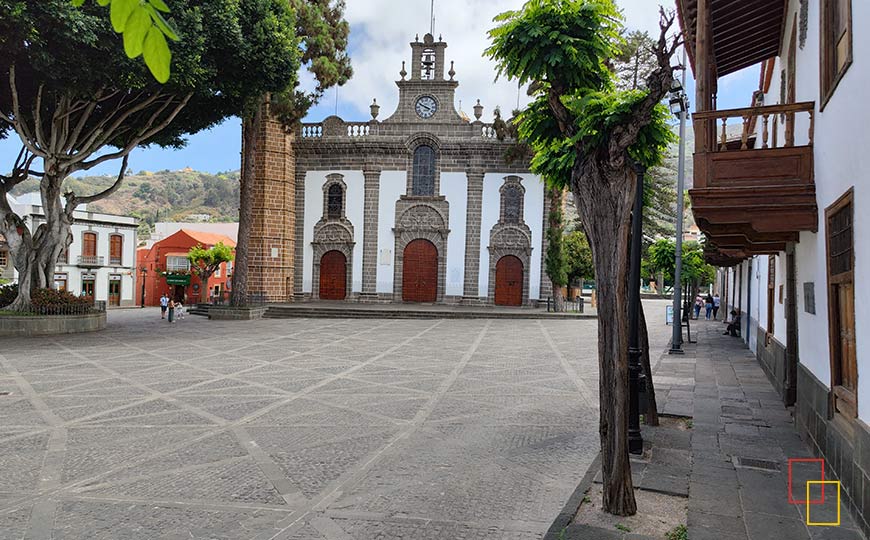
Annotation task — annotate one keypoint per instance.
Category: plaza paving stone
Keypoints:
(297, 429)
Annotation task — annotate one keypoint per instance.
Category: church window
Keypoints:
(512, 201)
(423, 180)
(334, 201)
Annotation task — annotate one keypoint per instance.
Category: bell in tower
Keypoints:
(427, 63)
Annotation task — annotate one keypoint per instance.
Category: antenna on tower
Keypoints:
(432, 19)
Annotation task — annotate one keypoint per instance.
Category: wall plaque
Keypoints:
(810, 297)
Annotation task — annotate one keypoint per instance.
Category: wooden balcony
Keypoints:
(753, 188)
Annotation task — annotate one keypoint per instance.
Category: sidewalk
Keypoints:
(741, 438)
(741, 428)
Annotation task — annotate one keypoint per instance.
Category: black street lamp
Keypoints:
(635, 439)
(144, 272)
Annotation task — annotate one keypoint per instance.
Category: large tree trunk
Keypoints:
(250, 127)
(651, 415)
(606, 222)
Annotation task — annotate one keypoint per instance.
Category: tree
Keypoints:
(578, 257)
(76, 101)
(580, 127)
(205, 262)
(555, 259)
(322, 46)
(145, 31)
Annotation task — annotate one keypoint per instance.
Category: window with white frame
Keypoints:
(177, 264)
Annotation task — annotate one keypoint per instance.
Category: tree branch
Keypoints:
(72, 200)
(99, 137)
(146, 133)
(658, 86)
(16, 121)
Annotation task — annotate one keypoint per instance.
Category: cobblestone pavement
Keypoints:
(297, 429)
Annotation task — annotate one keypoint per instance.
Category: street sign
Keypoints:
(669, 315)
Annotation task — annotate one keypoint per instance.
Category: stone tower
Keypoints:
(272, 243)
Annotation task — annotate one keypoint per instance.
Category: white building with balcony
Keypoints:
(101, 260)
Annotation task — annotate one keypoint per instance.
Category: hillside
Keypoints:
(176, 195)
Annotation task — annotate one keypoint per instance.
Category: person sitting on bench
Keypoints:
(733, 325)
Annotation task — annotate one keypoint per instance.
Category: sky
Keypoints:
(381, 31)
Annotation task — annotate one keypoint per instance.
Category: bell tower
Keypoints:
(427, 60)
(427, 82)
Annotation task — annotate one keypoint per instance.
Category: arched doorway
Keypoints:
(420, 272)
(509, 281)
(333, 276)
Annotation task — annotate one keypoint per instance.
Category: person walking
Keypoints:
(708, 307)
(164, 303)
(172, 311)
(699, 303)
(716, 303)
(179, 310)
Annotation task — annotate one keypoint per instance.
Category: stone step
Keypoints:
(278, 312)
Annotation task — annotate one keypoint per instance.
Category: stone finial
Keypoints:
(375, 108)
(403, 73)
(416, 38)
(478, 110)
(452, 72)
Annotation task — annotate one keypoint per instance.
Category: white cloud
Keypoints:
(382, 30)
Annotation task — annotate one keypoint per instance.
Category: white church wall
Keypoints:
(454, 186)
(392, 186)
(533, 211)
(533, 215)
(489, 214)
(314, 181)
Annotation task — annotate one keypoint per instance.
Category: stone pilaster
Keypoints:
(299, 234)
(546, 284)
(370, 234)
(271, 251)
(473, 234)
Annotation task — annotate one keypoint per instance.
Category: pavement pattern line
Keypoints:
(343, 429)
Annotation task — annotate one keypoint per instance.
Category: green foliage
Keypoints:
(323, 33)
(42, 299)
(565, 46)
(598, 113)
(231, 51)
(661, 257)
(623, 528)
(174, 194)
(204, 262)
(555, 257)
(8, 293)
(680, 532)
(564, 43)
(578, 257)
(47, 301)
(144, 30)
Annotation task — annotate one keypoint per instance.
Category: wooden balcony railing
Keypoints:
(711, 127)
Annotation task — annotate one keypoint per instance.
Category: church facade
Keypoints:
(421, 206)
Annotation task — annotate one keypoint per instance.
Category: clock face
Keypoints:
(426, 106)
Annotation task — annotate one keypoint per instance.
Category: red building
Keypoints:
(165, 269)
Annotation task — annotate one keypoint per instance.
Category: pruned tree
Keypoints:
(75, 100)
(204, 262)
(579, 122)
(322, 45)
(555, 256)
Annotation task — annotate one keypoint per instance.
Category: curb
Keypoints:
(574, 501)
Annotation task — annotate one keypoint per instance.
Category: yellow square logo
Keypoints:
(823, 523)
